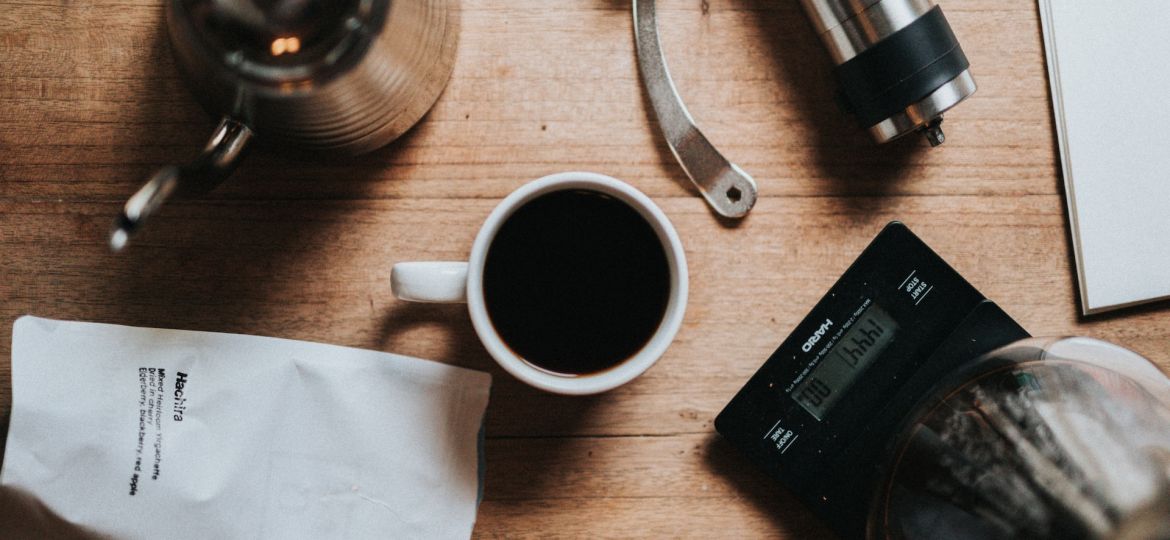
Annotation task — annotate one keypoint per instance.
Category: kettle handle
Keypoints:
(217, 161)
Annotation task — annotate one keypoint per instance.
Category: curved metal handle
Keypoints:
(219, 158)
(729, 190)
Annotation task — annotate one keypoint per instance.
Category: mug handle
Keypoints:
(436, 282)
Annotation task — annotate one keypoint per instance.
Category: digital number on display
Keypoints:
(858, 348)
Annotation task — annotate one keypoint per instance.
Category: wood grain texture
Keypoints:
(301, 246)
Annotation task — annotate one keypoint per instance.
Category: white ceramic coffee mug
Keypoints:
(453, 282)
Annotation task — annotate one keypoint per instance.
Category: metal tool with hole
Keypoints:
(727, 189)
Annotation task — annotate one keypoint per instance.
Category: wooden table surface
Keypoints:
(298, 247)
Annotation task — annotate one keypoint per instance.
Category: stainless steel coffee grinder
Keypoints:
(899, 64)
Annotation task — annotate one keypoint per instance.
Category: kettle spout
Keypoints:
(218, 160)
(143, 203)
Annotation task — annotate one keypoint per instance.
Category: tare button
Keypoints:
(780, 437)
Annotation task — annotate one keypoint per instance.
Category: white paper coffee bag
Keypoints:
(147, 433)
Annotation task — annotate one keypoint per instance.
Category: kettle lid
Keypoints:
(280, 39)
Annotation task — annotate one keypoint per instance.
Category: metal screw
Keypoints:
(934, 133)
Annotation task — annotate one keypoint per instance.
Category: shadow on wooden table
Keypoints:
(790, 519)
(515, 410)
(244, 262)
(462, 347)
(844, 152)
(532, 435)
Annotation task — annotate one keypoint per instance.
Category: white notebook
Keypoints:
(1109, 67)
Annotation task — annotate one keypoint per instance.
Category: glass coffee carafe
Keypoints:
(1057, 438)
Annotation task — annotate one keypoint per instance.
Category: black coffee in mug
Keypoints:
(576, 282)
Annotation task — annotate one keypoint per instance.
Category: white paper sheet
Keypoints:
(1109, 67)
(236, 436)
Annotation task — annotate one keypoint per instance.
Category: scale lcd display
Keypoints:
(844, 363)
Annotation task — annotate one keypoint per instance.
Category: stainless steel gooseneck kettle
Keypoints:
(344, 76)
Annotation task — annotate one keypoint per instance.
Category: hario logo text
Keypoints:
(820, 333)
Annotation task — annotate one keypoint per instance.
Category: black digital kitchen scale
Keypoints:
(822, 414)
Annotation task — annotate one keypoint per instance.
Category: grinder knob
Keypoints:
(899, 64)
